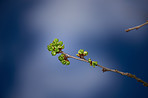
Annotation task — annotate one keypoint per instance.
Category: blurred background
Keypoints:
(27, 69)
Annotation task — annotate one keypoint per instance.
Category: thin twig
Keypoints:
(104, 69)
(137, 27)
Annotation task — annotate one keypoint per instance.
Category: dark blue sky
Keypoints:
(28, 70)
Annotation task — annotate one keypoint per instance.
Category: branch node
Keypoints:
(104, 70)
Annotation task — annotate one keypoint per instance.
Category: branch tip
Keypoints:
(137, 27)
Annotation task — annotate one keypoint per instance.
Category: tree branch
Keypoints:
(137, 27)
(104, 69)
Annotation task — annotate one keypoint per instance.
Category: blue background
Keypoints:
(27, 69)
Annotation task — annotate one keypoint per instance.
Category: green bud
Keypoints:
(93, 66)
(63, 46)
(53, 53)
(89, 60)
(49, 47)
(67, 62)
(77, 55)
(56, 49)
(50, 44)
(81, 51)
(60, 43)
(56, 40)
(59, 46)
(54, 44)
(94, 63)
(86, 53)
(63, 62)
(61, 58)
(62, 55)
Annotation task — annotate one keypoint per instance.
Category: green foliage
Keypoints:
(89, 60)
(60, 43)
(94, 63)
(67, 62)
(82, 53)
(63, 59)
(78, 55)
(55, 47)
(53, 53)
(85, 53)
(63, 62)
(63, 46)
(55, 40)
